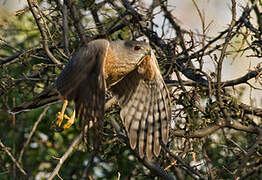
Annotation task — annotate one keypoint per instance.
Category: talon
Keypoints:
(61, 115)
(59, 119)
(66, 117)
(70, 120)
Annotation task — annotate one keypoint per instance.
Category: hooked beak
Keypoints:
(149, 52)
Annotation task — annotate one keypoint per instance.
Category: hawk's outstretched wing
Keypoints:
(82, 80)
(145, 107)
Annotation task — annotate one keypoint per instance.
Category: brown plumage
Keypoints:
(130, 70)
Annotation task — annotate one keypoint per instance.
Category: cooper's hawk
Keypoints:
(131, 71)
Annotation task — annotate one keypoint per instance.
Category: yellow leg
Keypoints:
(61, 114)
(70, 120)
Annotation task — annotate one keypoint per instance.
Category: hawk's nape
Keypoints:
(131, 70)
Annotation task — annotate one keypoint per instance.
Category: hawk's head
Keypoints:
(131, 52)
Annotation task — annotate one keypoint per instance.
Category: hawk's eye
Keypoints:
(136, 48)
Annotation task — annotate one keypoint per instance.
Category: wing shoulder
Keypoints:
(88, 59)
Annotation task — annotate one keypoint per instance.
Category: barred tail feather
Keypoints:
(150, 127)
(157, 121)
(164, 110)
(49, 95)
(143, 107)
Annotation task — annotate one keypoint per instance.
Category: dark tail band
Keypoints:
(49, 95)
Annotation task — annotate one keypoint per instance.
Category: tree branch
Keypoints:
(222, 123)
(223, 54)
(33, 6)
(241, 80)
(75, 142)
(251, 110)
(77, 21)
(31, 134)
(247, 156)
(65, 28)
(12, 158)
(155, 168)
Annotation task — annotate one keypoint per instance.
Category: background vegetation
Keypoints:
(213, 135)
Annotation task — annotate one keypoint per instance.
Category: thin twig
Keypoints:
(77, 21)
(241, 80)
(12, 158)
(31, 134)
(223, 54)
(65, 28)
(33, 8)
(20, 80)
(187, 167)
(222, 123)
(155, 168)
(249, 153)
(13, 58)
(75, 142)
(93, 9)
(88, 166)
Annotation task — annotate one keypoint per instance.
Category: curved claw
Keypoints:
(70, 120)
(60, 118)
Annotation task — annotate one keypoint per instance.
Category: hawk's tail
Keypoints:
(47, 96)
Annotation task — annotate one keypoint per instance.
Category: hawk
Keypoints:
(130, 70)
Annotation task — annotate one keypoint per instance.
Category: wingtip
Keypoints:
(149, 156)
(133, 142)
(157, 149)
